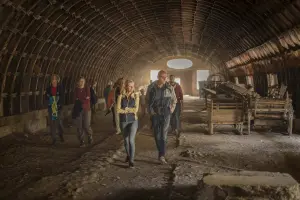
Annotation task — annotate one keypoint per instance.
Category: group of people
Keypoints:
(163, 101)
(83, 110)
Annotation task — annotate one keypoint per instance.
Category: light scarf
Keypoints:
(54, 108)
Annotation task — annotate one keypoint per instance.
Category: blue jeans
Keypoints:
(129, 130)
(175, 120)
(160, 125)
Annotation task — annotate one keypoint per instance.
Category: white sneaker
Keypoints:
(163, 160)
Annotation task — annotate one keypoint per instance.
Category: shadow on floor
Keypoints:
(151, 194)
(293, 164)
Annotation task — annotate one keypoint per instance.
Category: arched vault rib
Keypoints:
(107, 38)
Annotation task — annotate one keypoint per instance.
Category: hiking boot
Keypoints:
(177, 133)
(162, 160)
(82, 144)
(91, 141)
(131, 165)
(127, 159)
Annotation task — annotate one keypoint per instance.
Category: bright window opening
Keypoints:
(179, 63)
(177, 80)
(153, 75)
(202, 75)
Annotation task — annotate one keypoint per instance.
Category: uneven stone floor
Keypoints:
(31, 169)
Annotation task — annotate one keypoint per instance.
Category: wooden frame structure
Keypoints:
(273, 112)
(247, 106)
(224, 111)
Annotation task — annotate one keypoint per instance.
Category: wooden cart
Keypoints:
(221, 111)
(273, 112)
(247, 106)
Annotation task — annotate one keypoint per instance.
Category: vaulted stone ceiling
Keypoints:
(104, 39)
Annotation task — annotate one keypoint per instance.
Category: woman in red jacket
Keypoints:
(83, 120)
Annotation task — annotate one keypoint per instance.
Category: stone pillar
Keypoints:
(272, 79)
(236, 80)
(249, 80)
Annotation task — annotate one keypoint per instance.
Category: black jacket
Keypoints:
(76, 109)
(94, 97)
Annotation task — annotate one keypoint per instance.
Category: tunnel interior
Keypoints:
(249, 42)
(108, 39)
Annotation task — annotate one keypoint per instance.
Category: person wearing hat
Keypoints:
(55, 99)
(106, 92)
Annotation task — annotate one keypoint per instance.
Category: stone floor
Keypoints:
(31, 169)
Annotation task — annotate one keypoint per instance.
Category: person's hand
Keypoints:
(126, 110)
(152, 112)
(87, 97)
(172, 109)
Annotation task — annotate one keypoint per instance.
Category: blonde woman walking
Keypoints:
(127, 109)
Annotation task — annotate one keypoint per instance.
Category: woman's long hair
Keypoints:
(126, 83)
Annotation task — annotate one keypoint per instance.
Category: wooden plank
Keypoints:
(271, 110)
(209, 91)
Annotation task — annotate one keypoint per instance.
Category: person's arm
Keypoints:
(147, 94)
(119, 109)
(93, 96)
(173, 100)
(75, 95)
(180, 95)
(149, 106)
(135, 109)
(88, 94)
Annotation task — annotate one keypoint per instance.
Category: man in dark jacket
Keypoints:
(55, 99)
(161, 101)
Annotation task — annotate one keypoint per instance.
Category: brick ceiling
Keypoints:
(103, 39)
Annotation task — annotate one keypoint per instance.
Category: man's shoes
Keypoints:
(127, 159)
(177, 133)
(91, 141)
(82, 144)
(131, 165)
(162, 160)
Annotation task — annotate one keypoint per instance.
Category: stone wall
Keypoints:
(35, 121)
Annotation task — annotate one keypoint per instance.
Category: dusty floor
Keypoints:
(31, 169)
